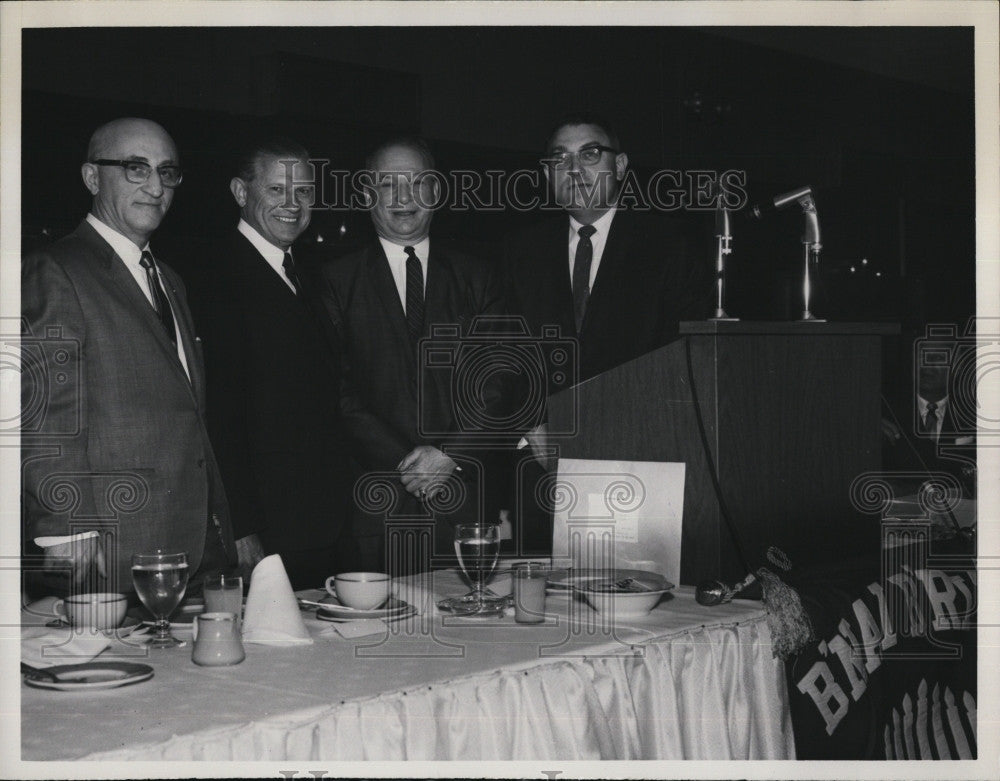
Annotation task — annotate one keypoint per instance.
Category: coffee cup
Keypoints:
(101, 610)
(360, 590)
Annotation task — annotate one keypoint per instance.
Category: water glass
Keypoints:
(530, 579)
(223, 594)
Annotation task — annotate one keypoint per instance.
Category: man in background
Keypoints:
(117, 460)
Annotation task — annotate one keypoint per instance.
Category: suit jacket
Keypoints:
(273, 414)
(119, 439)
(953, 452)
(646, 283)
(391, 402)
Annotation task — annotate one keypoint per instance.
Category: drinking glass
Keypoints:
(477, 547)
(160, 580)
(223, 594)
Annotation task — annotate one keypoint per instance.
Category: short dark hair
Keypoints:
(268, 146)
(417, 143)
(584, 118)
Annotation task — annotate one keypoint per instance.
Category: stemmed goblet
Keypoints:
(477, 547)
(160, 580)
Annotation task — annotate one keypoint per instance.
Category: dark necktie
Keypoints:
(160, 303)
(289, 266)
(414, 294)
(930, 421)
(581, 273)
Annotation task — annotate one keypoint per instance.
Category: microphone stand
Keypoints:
(723, 236)
(810, 247)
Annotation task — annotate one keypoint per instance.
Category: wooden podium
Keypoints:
(791, 412)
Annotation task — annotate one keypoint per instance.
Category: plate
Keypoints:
(126, 627)
(594, 579)
(92, 675)
(334, 611)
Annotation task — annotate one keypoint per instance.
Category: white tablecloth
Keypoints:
(685, 682)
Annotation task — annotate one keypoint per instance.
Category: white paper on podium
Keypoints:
(626, 514)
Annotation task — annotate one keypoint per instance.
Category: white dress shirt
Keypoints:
(602, 226)
(942, 405)
(396, 256)
(275, 256)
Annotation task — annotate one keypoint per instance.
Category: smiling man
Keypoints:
(272, 378)
(380, 302)
(117, 460)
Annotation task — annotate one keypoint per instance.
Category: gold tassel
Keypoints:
(790, 626)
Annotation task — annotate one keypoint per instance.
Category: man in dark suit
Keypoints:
(617, 281)
(398, 410)
(272, 378)
(117, 461)
(922, 433)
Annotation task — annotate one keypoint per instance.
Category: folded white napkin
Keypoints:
(272, 616)
(44, 647)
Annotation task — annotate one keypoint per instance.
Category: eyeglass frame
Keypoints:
(565, 157)
(125, 164)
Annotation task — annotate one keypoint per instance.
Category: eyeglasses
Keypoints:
(138, 172)
(589, 155)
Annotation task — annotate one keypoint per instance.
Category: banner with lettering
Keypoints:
(892, 672)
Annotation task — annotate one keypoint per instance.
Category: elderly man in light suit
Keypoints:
(118, 461)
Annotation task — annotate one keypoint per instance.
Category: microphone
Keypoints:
(767, 208)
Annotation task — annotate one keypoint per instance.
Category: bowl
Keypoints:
(621, 596)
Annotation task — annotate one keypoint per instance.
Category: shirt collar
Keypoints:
(602, 224)
(272, 254)
(395, 251)
(940, 404)
(124, 247)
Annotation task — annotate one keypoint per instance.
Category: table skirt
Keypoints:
(701, 693)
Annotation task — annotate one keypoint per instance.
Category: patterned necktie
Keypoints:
(930, 421)
(289, 266)
(581, 273)
(160, 303)
(414, 294)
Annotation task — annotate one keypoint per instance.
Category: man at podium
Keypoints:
(617, 281)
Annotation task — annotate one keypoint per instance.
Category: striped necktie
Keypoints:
(160, 303)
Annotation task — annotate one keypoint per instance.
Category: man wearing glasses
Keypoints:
(117, 461)
(618, 281)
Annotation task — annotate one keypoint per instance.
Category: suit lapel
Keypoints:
(556, 255)
(121, 279)
(612, 264)
(440, 282)
(185, 327)
(382, 282)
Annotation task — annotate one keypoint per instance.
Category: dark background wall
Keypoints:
(878, 120)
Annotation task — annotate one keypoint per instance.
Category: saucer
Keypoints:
(91, 676)
(124, 629)
(333, 610)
